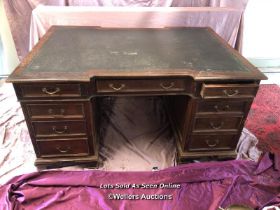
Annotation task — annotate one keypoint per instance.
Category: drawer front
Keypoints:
(221, 106)
(58, 110)
(229, 91)
(58, 147)
(212, 142)
(138, 85)
(213, 124)
(59, 128)
(50, 90)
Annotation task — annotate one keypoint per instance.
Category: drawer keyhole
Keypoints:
(218, 109)
(63, 130)
(61, 112)
(50, 91)
(212, 143)
(116, 88)
(63, 150)
(217, 126)
(231, 93)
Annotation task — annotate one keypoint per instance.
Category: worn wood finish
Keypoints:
(229, 90)
(59, 128)
(61, 147)
(51, 90)
(208, 86)
(144, 85)
(212, 142)
(55, 110)
(216, 124)
(221, 107)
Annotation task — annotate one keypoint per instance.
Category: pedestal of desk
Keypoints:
(62, 119)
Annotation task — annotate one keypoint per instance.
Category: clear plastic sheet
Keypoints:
(135, 134)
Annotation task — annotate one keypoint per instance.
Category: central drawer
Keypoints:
(59, 128)
(142, 85)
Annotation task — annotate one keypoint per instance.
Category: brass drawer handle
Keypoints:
(65, 128)
(62, 111)
(225, 108)
(49, 91)
(212, 144)
(116, 88)
(62, 150)
(217, 127)
(166, 87)
(231, 93)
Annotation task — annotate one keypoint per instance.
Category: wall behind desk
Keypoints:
(8, 55)
(261, 38)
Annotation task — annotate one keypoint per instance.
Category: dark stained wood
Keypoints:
(55, 110)
(50, 90)
(59, 128)
(229, 90)
(144, 85)
(212, 142)
(60, 147)
(60, 161)
(208, 86)
(221, 107)
(41, 127)
(216, 124)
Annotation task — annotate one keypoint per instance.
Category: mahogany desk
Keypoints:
(208, 87)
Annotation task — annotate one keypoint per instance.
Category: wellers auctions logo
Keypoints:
(140, 196)
(118, 196)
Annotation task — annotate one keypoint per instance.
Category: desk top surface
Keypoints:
(80, 53)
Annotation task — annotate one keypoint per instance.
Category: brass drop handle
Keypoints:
(213, 143)
(166, 87)
(116, 88)
(62, 111)
(65, 128)
(63, 150)
(225, 108)
(231, 93)
(50, 91)
(217, 127)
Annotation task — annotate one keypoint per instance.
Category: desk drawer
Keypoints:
(229, 90)
(212, 142)
(211, 124)
(59, 128)
(44, 90)
(55, 111)
(60, 147)
(211, 106)
(141, 85)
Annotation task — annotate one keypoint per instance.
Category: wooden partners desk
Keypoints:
(208, 87)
